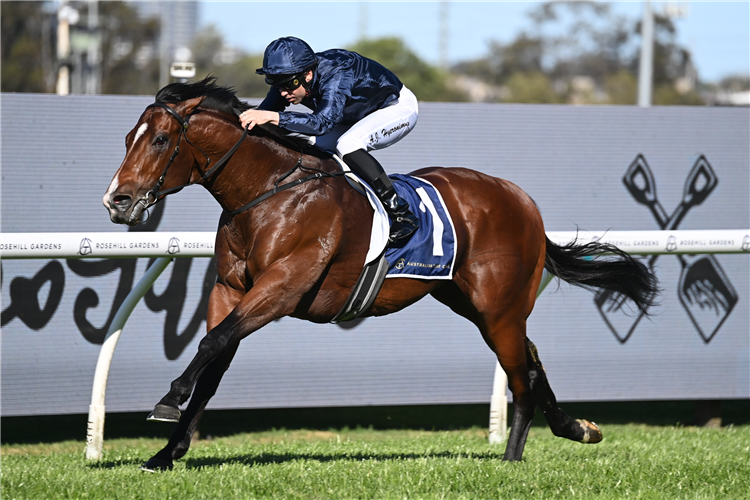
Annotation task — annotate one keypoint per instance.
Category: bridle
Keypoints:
(152, 196)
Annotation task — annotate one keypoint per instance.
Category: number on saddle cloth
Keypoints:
(430, 251)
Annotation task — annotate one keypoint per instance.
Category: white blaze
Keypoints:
(141, 131)
(112, 187)
(115, 184)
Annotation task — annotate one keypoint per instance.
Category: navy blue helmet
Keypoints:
(286, 59)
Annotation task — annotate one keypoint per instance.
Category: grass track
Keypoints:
(634, 461)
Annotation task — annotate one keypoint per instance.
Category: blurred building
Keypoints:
(78, 46)
(729, 98)
(179, 24)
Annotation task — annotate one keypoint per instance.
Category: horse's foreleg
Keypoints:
(274, 295)
(559, 422)
(213, 345)
(205, 388)
(223, 300)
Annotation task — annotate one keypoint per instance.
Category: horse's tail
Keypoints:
(605, 267)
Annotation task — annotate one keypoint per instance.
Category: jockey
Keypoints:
(358, 106)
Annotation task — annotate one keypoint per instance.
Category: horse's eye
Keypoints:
(160, 140)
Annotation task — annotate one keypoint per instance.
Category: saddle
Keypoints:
(428, 254)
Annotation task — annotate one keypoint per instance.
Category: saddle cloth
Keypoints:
(431, 251)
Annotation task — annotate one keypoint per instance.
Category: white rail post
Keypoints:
(499, 407)
(499, 400)
(95, 427)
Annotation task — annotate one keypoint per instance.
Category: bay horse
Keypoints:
(299, 251)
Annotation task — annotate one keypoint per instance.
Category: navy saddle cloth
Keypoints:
(430, 252)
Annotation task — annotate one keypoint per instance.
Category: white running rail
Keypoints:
(201, 244)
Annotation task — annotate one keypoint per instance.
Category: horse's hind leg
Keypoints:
(560, 423)
(509, 346)
(205, 388)
(505, 335)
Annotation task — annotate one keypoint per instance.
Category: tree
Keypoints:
(531, 87)
(130, 59)
(130, 56)
(522, 55)
(671, 64)
(621, 87)
(591, 47)
(25, 40)
(574, 43)
(595, 43)
(427, 82)
(232, 67)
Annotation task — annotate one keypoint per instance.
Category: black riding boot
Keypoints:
(404, 222)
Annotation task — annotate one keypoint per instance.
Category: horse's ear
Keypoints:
(191, 104)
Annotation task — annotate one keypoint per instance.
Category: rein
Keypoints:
(151, 197)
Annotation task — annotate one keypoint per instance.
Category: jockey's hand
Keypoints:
(253, 117)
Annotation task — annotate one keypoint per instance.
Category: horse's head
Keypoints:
(167, 149)
(152, 165)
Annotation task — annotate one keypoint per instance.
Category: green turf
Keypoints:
(634, 461)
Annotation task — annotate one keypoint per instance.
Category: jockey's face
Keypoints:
(295, 96)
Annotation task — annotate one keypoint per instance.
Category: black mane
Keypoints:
(224, 99)
(216, 97)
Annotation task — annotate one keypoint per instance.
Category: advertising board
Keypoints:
(60, 153)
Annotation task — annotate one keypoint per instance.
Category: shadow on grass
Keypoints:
(280, 458)
(114, 464)
(55, 428)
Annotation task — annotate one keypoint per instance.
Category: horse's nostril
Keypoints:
(122, 202)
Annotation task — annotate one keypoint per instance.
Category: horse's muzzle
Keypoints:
(121, 208)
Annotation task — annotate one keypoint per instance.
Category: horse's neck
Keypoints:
(252, 170)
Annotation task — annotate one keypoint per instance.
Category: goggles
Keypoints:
(285, 82)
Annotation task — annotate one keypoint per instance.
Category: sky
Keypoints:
(717, 33)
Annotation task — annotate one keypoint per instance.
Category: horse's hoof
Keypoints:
(157, 465)
(591, 432)
(164, 413)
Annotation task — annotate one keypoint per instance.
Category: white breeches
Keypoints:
(377, 130)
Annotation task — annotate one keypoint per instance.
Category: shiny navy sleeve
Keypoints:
(330, 111)
(273, 101)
